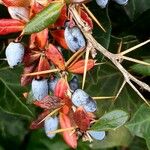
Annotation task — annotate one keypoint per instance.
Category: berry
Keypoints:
(91, 106)
(102, 3)
(97, 135)
(39, 88)
(74, 38)
(14, 54)
(52, 84)
(81, 98)
(121, 2)
(74, 83)
(50, 124)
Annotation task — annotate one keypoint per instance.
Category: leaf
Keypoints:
(141, 69)
(11, 93)
(111, 120)
(43, 19)
(58, 35)
(69, 137)
(10, 26)
(39, 141)
(140, 123)
(134, 8)
(12, 130)
(78, 67)
(118, 137)
(55, 56)
(19, 3)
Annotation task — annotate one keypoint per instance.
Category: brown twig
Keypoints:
(112, 57)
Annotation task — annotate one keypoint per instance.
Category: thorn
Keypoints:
(41, 72)
(135, 60)
(97, 64)
(85, 65)
(136, 90)
(120, 46)
(122, 86)
(81, 51)
(62, 130)
(3, 59)
(103, 97)
(50, 114)
(134, 47)
(93, 17)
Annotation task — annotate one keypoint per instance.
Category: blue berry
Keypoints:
(97, 135)
(81, 98)
(91, 106)
(50, 124)
(39, 88)
(74, 38)
(52, 84)
(14, 54)
(74, 83)
(102, 3)
(121, 2)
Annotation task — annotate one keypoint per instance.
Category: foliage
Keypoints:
(128, 24)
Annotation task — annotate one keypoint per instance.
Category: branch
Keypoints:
(113, 57)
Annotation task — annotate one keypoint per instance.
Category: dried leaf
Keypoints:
(49, 102)
(55, 56)
(78, 67)
(70, 139)
(58, 35)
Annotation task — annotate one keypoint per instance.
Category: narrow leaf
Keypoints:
(45, 18)
(10, 26)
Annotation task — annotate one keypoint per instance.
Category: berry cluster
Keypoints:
(45, 68)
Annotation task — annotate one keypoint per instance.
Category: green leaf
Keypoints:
(136, 8)
(11, 93)
(111, 120)
(118, 137)
(140, 123)
(43, 19)
(141, 69)
(39, 141)
(12, 130)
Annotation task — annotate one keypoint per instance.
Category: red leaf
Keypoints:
(42, 38)
(43, 65)
(10, 26)
(55, 56)
(70, 139)
(61, 88)
(78, 67)
(21, 3)
(62, 18)
(49, 102)
(58, 35)
(81, 119)
(86, 18)
(36, 123)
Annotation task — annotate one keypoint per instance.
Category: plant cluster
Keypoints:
(59, 48)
